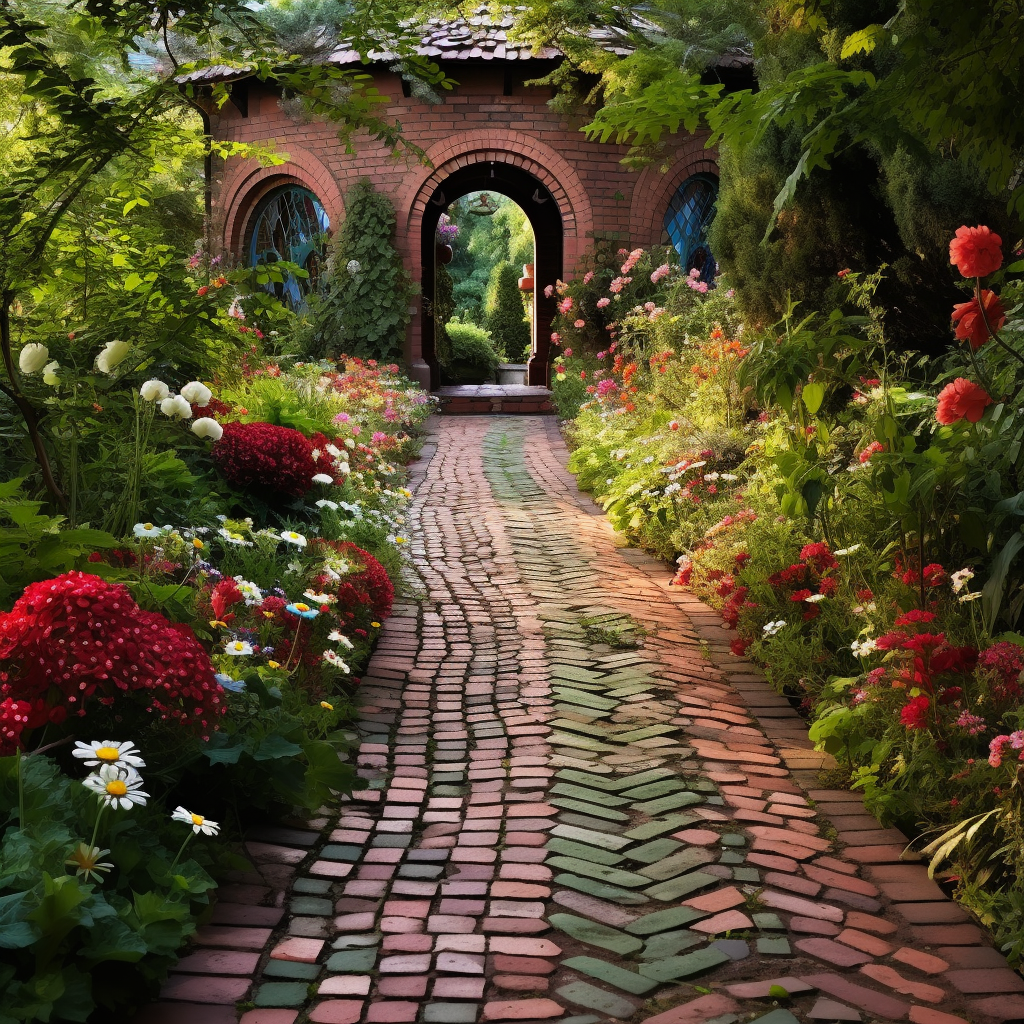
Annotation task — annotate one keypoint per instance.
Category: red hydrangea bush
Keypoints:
(369, 588)
(266, 456)
(76, 641)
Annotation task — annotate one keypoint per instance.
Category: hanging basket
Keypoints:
(444, 253)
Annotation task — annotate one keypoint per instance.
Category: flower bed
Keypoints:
(216, 652)
(858, 528)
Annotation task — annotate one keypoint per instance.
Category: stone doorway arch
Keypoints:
(542, 210)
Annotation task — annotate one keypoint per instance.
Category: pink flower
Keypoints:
(342, 417)
(356, 430)
(588, 277)
(663, 271)
(555, 337)
(565, 305)
(549, 291)
(601, 355)
(603, 301)
(568, 353)
(580, 323)
(378, 436)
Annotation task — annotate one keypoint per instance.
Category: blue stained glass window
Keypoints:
(290, 224)
(687, 220)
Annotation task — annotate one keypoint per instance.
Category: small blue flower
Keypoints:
(234, 685)
(304, 611)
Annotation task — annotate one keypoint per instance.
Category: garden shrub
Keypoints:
(473, 356)
(267, 457)
(364, 309)
(506, 321)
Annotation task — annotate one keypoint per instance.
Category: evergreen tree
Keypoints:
(509, 330)
(364, 309)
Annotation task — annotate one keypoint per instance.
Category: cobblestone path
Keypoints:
(582, 809)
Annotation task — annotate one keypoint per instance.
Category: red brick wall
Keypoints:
(597, 196)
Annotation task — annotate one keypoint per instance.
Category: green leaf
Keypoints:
(276, 746)
(863, 41)
(813, 395)
(15, 931)
(994, 590)
(132, 281)
(777, 992)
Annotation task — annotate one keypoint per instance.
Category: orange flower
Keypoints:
(976, 252)
(962, 399)
(970, 324)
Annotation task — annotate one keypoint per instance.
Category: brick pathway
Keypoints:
(560, 829)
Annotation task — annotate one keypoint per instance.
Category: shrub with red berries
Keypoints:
(76, 642)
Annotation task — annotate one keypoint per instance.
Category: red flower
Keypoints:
(956, 660)
(865, 595)
(915, 713)
(76, 640)
(976, 252)
(914, 615)
(800, 595)
(961, 399)
(368, 590)
(828, 586)
(224, 595)
(872, 449)
(272, 458)
(934, 575)
(739, 646)
(969, 322)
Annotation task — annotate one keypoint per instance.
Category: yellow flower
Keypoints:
(86, 861)
(273, 664)
(328, 707)
(216, 622)
(198, 544)
(376, 625)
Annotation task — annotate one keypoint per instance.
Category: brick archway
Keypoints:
(532, 175)
(246, 186)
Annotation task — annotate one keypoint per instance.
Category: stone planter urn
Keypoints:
(512, 373)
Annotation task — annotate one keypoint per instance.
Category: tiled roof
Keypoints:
(482, 36)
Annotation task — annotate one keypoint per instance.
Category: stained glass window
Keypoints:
(290, 224)
(687, 220)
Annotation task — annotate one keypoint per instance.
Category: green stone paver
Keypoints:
(594, 810)
(650, 852)
(751, 875)
(664, 920)
(312, 886)
(674, 967)
(583, 728)
(677, 888)
(629, 691)
(450, 1013)
(584, 699)
(649, 732)
(584, 835)
(571, 672)
(774, 946)
(291, 969)
(769, 922)
(595, 934)
(584, 994)
(660, 826)
(733, 839)
(732, 857)
(612, 876)
(667, 944)
(565, 739)
(281, 993)
(590, 714)
(352, 961)
(579, 850)
(587, 1018)
(669, 803)
(610, 974)
(612, 785)
(655, 789)
(581, 793)
(588, 821)
(332, 852)
(355, 941)
(669, 867)
(311, 905)
(592, 887)
(779, 1016)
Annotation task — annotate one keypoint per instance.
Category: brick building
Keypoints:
(491, 132)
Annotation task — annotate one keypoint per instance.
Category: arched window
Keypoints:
(290, 224)
(687, 220)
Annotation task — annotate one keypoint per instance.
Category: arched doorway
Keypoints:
(540, 207)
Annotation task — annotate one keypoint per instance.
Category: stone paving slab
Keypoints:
(557, 830)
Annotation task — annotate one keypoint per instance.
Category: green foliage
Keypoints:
(363, 311)
(506, 323)
(71, 944)
(473, 356)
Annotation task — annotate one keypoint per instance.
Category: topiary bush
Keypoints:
(364, 309)
(510, 333)
(473, 356)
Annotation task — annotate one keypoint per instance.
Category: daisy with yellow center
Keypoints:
(121, 753)
(197, 821)
(85, 859)
(117, 787)
(238, 648)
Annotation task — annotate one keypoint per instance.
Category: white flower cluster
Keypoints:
(179, 407)
(862, 648)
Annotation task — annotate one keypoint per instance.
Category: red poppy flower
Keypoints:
(915, 713)
(969, 322)
(976, 252)
(962, 399)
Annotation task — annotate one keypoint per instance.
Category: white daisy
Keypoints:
(237, 648)
(293, 538)
(318, 598)
(323, 478)
(120, 753)
(117, 787)
(197, 821)
(147, 530)
(327, 503)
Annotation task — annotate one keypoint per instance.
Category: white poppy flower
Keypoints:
(120, 788)
(196, 393)
(112, 355)
(116, 752)
(145, 530)
(960, 579)
(33, 357)
(323, 478)
(50, 376)
(197, 821)
(293, 538)
(154, 391)
(176, 408)
(327, 503)
(332, 659)
(238, 648)
(208, 428)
